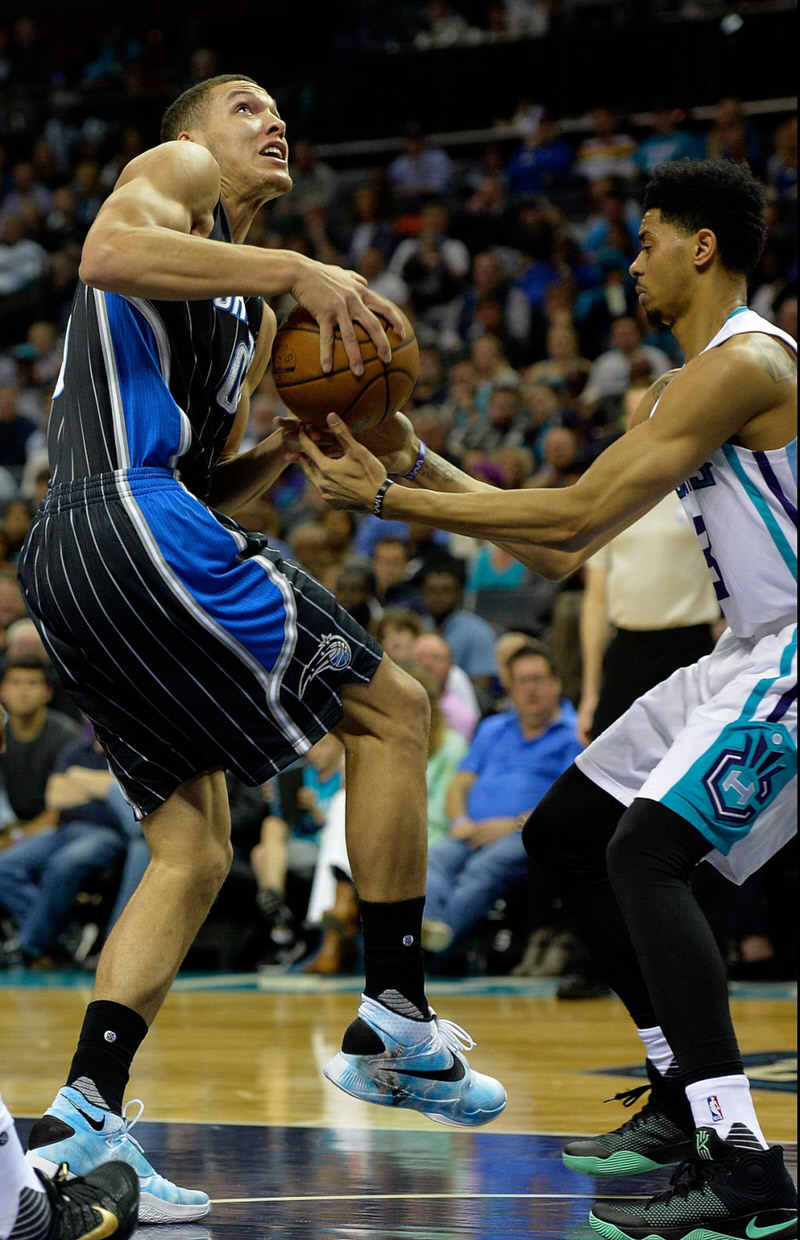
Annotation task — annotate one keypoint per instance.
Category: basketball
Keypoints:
(362, 402)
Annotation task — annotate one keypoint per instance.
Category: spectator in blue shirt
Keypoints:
(666, 140)
(513, 759)
(543, 159)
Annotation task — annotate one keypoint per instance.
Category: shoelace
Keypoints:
(119, 1138)
(696, 1172)
(628, 1097)
(454, 1037)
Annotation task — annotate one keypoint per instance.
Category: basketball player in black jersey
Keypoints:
(195, 648)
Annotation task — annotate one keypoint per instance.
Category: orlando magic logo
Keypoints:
(334, 652)
(742, 781)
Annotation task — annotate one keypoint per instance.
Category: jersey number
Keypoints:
(720, 589)
(230, 389)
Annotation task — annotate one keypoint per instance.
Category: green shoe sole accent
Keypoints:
(624, 1162)
(611, 1232)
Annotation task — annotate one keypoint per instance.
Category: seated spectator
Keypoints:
(354, 588)
(290, 834)
(456, 695)
(562, 360)
(614, 229)
(35, 736)
(420, 171)
(389, 563)
(372, 266)
(15, 432)
(666, 140)
(562, 460)
(512, 761)
(470, 638)
(397, 631)
(542, 161)
(493, 568)
(371, 230)
(40, 876)
(732, 136)
(607, 152)
(433, 264)
(611, 371)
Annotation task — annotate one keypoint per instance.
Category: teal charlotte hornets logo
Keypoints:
(743, 780)
(334, 652)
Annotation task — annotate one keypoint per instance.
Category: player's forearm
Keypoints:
(165, 265)
(437, 474)
(238, 480)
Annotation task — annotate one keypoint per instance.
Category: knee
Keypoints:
(543, 832)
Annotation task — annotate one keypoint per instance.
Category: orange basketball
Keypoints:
(360, 402)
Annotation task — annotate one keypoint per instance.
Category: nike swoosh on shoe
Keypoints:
(456, 1072)
(754, 1232)
(97, 1124)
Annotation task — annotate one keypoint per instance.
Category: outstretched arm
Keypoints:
(709, 402)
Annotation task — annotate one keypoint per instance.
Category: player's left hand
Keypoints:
(351, 480)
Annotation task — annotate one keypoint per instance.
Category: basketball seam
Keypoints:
(387, 369)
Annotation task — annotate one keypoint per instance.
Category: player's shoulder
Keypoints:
(178, 164)
(759, 355)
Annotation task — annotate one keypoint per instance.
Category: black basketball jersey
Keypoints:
(150, 383)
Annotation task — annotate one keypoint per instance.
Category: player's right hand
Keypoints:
(338, 299)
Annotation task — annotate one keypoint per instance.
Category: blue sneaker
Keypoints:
(395, 1061)
(76, 1132)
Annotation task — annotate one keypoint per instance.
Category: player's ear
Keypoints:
(705, 247)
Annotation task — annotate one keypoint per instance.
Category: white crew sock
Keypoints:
(17, 1175)
(723, 1103)
(659, 1051)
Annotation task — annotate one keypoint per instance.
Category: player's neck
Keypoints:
(706, 314)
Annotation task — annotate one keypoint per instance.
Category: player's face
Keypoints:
(663, 268)
(246, 135)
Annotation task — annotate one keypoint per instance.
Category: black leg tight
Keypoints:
(624, 878)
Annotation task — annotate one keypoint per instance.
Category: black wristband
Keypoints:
(377, 503)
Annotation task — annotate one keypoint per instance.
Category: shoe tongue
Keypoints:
(710, 1147)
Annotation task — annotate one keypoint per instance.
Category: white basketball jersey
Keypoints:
(743, 507)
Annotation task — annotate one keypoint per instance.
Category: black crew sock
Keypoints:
(394, 970)
(110, 1037)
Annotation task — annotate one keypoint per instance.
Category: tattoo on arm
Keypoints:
(436, 469)
(773, 358)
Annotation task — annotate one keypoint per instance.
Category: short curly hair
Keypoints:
(715, 194)
(188, 109)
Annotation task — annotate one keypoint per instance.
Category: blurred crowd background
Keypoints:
(482, 164)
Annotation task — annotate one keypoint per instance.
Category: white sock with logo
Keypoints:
(16, 1175)
(659, 1051)
(723, 1103)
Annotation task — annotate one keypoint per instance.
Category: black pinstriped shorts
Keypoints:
(185, 639)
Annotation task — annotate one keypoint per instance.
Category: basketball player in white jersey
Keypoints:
(704, 765)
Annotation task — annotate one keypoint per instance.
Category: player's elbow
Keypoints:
(102, 265)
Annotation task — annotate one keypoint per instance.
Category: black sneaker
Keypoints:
(723, 1193)
(661, 1134)
(90, 1207)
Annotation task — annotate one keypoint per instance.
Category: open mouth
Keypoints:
(274, 151)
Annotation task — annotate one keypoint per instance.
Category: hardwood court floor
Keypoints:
(235, 1103)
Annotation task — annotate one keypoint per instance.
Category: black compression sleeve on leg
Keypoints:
(650, 862)
(568, 834)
